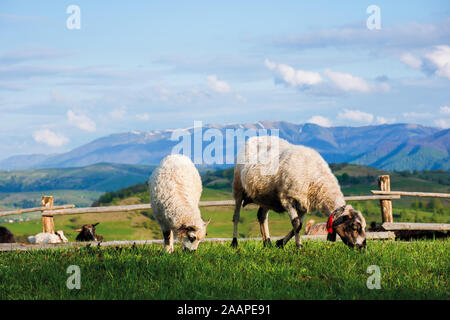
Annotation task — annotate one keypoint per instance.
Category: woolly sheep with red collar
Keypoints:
(280, 176)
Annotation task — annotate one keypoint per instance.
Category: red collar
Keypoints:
(330, 223)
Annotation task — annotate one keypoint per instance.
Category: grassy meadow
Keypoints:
(320, 270)
(415, 270)
(354, 180)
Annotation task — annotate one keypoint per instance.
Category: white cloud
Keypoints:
(383, 87)
(313, 82)
(443, 123)
(445, 109)
(355, 115)
(241, 98)
(411, 60)
(81, 121)
(319, 120)
(119, 113)
(347, 82)
(440, 58)
(399, 36)
(143, 116)
(383, 120)
(11, 86)
(417, 115)
(289, 76)
(218, 85)
(435, 62)
(50, 138)
(32, 53)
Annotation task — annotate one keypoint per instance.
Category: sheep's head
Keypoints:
(88, 231)
(350, 225)
(192, 235)
(60, 234)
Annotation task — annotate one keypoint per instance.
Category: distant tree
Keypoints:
(417, 204)
(404, 173)
(345, 177)
(435, 205)
(229, 173)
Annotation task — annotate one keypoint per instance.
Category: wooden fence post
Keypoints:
(48, 224)
(384, 184)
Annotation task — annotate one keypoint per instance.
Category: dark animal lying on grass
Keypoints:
(87, 233)
(420, 234)
(6, 236)
(375, 228)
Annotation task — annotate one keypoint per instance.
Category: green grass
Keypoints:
(415, 270)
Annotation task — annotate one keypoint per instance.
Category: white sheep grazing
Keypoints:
(175, 190)
(295, 179)
(45, 237)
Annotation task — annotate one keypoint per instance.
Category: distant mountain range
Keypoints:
(388, 146)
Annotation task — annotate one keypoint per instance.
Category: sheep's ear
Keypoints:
(182, 230)
(78, 230)
(343, 218)
(207, 222)
(96, 224)
(347, 214)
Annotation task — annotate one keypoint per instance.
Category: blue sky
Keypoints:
(147, 65)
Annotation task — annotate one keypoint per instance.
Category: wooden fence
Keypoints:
(384, 195)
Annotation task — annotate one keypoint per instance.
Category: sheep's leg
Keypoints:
(296, 226)
(298, 240)
(280, 243)
(236, 216)
(168, 241)
(264, 226)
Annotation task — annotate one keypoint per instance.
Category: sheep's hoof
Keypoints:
(234, 243)
(267, 243)
(280, 243)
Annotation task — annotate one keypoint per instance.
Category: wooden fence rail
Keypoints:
(135, 207)
(412, 194)
(9, 213)
(70, 209)
(389, 226)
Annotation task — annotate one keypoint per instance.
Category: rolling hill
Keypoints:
(98, 177)
(353, 179)
(387, 146)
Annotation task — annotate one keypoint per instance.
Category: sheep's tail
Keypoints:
(308, 226)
